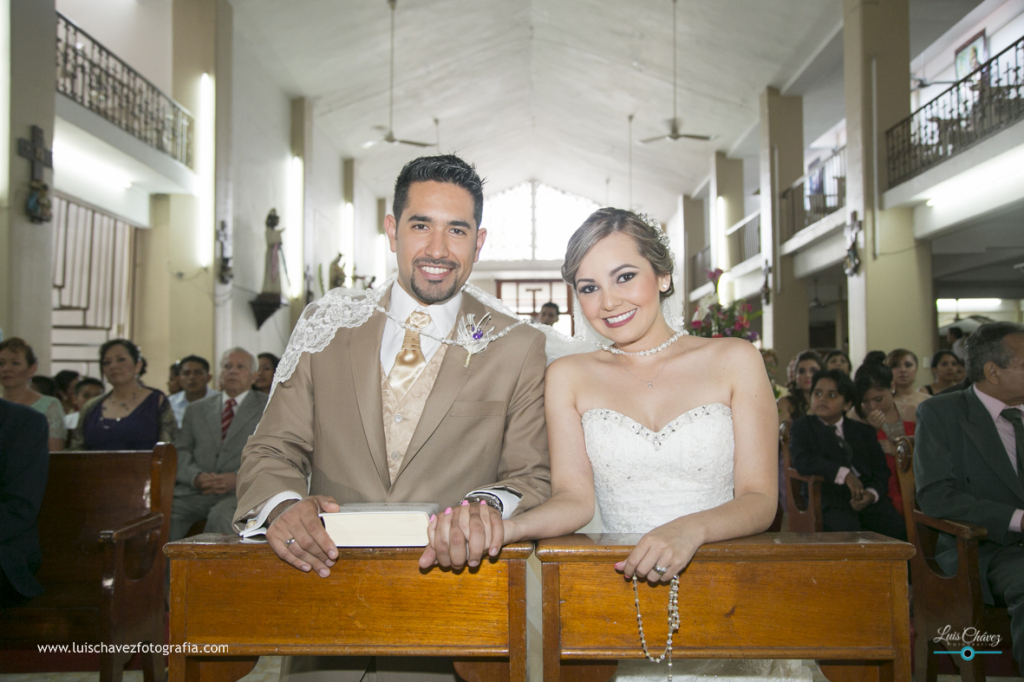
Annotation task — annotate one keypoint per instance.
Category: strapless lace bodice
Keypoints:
(644, 479)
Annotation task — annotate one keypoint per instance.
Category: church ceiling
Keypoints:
(539, 89)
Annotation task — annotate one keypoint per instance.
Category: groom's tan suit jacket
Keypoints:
(482, 425)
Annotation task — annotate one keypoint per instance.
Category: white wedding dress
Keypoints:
(645, 479)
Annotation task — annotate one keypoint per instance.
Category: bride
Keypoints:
(676, 435)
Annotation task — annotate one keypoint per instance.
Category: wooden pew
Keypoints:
(803, 493)
(376, 602)
(103, 520)
(939, 600)
(773, 595)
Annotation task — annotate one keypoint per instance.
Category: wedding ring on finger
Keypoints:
(659, 570)
(289, 541)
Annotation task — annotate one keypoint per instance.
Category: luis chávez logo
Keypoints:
(968, 640)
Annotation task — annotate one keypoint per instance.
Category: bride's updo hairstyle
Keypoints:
(650, 242)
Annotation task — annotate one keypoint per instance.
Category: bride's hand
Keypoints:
(670, 547)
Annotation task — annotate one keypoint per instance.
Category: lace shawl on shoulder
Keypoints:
(321, 319)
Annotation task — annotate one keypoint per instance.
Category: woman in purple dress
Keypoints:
(131, 416)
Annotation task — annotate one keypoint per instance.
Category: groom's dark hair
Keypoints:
(447, 168)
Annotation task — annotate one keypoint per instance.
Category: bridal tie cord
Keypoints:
(410, 361)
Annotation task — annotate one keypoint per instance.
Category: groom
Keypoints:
(386, 413)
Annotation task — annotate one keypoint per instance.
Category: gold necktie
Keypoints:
(410, 361)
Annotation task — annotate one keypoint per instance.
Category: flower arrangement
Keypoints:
(721, 321)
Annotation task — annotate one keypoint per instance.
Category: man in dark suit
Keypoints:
(24, 465)
(968, 465)
(847, 455)
(213, 433)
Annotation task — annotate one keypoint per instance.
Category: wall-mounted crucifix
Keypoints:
(38, 205)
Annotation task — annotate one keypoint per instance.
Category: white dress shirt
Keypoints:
(238, 400)
(179, 402)
(843, 471)
(443, 317)
(995, 407)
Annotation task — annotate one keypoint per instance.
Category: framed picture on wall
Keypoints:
(971, 55)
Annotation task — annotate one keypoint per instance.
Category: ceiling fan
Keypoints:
(674, 123)
(389, 135)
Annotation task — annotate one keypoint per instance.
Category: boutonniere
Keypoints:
(473, 335)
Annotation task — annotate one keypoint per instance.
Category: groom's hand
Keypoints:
(312, 547)
(461, 536)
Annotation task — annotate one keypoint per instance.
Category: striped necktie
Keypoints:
(1012, 415)
(226, 416)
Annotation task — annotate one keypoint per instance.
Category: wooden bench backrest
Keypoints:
(88, 492)
(908, 487)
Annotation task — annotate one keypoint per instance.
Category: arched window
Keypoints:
(532, 221)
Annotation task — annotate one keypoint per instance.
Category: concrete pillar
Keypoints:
(785, 317)
(693, 239)
(890, 299)
(27, 90)
(726, 194)
(224, 185)
(296, 222)
(176, 266)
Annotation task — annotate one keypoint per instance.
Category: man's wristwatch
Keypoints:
(492, 501)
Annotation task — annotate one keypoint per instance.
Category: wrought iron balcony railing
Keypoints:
(820, 192)
(96, 78)
(987, 100)
(745, 238)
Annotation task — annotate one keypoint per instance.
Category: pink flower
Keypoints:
(716, 336)
(715, 275)
(696, 324)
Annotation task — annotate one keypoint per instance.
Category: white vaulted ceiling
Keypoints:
(540, 89)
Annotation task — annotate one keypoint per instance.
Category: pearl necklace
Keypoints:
(673, 623)
(649, 351)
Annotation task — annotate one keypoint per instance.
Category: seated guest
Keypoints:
(969, 466)
(195, 385)
(794, 405)
(131, 416)
(17, 366)
(67, 380)
(837, 359)
(210, 448)
(874, 402)
(854, 495)
(265, 373)
(44, 386)
(944, 365)
(174, 378)
(903, 364)
(24, 463)
(86, 388)
(549, 313)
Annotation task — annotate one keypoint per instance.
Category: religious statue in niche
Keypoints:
(224, 271)
(270, 300)
(38, 206)
(275, 256)
(851, 263)
(337, 272)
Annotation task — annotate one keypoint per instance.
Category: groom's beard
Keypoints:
(435, 292)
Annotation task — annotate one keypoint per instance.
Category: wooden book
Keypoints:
(395, 524)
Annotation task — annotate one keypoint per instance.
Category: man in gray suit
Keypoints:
(969, 466)
(210, 442)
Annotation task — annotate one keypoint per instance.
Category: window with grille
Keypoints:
(93, 275)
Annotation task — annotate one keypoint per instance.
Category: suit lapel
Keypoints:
(364, 352)
(212, 416)
(982, 430)
(450, 379)
(247, 411)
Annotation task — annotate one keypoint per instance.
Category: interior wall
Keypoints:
(365, 210)
(325, 193)
(261, 148)
(137, 32)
